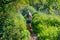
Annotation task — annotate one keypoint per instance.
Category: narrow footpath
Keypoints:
(33, 36)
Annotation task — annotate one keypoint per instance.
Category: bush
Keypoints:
(50, 33)
(15, 28)
(46, 26)
(52, 20)
(13, 23)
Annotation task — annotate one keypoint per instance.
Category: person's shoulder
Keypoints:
(30, 14)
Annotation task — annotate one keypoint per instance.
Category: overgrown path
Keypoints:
(33, 36)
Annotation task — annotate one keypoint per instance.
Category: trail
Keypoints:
(33, 36)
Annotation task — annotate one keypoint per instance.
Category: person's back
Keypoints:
(29, 26)
(29, 16)
(29, 21)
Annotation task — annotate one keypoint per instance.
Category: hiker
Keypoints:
(29, 26)
(29, 22)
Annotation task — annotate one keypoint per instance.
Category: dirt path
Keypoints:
(33, 37)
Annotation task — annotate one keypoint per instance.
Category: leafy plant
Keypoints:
(46, 26)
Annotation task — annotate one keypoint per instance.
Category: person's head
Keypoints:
(29, 14)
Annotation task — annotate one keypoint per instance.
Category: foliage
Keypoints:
(27, 9)
(13, 23)
(46, 26)
(15, 28)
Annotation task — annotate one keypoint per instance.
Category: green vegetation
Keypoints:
(46, 26)
(15, 28)
(45, 19)
(13, 23)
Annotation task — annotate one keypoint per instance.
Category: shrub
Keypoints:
(50, 33)
(13, 23)
(46, 26)
(15, 28)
